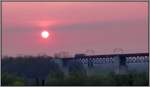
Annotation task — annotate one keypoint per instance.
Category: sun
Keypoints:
(45, 34)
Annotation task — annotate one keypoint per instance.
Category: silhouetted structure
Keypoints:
(119, 63)
(37, 69)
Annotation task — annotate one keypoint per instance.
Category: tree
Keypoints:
(62, 54)
(11, 80)
(55, 76)
(77, 73)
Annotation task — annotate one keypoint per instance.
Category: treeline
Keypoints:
(43, 70)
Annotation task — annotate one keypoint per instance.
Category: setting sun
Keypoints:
(45, 34)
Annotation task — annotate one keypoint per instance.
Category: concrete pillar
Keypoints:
(116, 64)
(90, 67)
(120, 65)
(90, 63)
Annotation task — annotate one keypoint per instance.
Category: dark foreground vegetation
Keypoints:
(44, 71)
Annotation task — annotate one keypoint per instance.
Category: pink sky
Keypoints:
(74, 27)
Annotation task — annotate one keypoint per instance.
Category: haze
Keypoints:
(74, 27)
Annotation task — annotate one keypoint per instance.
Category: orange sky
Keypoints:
(74, 27)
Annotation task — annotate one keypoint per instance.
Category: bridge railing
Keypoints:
(120, 61)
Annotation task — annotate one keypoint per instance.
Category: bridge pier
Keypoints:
(120, 65)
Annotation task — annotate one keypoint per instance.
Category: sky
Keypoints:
(74, 27)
